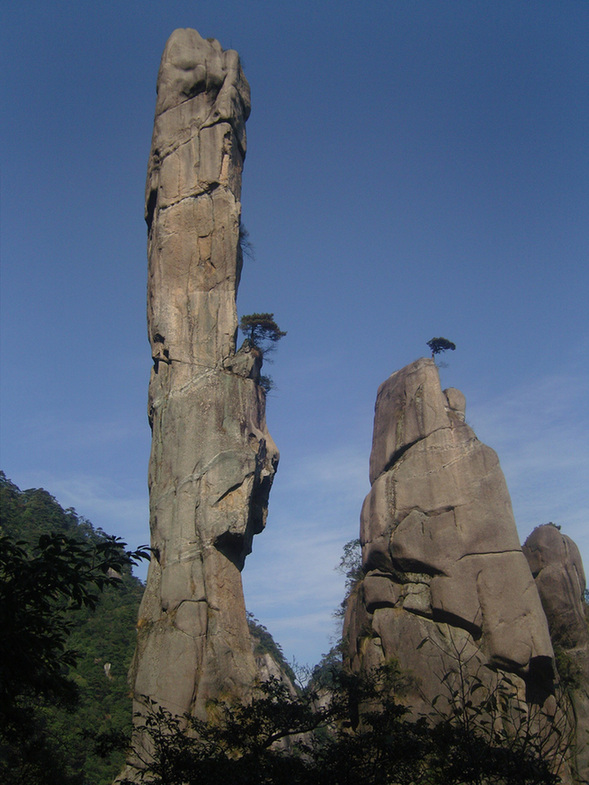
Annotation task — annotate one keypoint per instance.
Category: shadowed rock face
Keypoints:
(440, 550)
(557, 568)
(212, 459)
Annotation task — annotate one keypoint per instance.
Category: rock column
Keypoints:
(445, 578)
(212, 460)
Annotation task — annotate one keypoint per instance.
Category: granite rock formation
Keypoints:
(445, 578)
(557, 568)
(212, 459)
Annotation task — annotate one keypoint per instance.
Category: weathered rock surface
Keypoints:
(557, 568)
(212, 459)
(440, 550)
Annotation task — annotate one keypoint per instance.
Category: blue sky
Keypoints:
(414, 169)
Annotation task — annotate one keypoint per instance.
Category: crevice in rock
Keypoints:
(229, 491)
(489, 553)
(190, 98)
(453, 620)
(150, 208)
(398, 454)
(231, 545)
(207, 190)
(415, 565)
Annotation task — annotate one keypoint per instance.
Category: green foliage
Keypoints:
(328, 669)
(438, 345)
(242, 745)
(245, 244)
(350, 565)
(351, 731)
(483, 733)
(261, 331)
(68, 606)
(264, 643)
(39, 585)
(266, 383)
(570, 673)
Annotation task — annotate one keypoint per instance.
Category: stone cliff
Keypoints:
(212, 459)
(557, 568)
(445, 580)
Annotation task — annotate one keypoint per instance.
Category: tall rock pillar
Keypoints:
(444, 574)
(212, 459)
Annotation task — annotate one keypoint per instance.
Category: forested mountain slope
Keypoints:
(80, 738)
(62, 748)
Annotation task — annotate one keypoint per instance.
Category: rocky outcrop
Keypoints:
(445, 580)
(557, 568)
(212, 459)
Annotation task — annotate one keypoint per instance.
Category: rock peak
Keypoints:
(440, 551)
(212, 459)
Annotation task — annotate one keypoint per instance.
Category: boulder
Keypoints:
(557, 568)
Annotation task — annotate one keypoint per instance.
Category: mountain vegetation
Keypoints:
(350, 730)
(68, 609)
(65, 706)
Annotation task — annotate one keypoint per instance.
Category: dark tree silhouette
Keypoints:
(438, 345)
(345, 730)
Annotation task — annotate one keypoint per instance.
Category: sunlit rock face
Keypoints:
(557, 568)
(445, 576)
(212, 460)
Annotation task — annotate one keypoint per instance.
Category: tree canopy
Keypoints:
(261, 330)
(438, 345)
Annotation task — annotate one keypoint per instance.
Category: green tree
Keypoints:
(38, 588)
(245, 244)
(261, 331)
(438, 345)
(350, 565)
(482, 734)
(55, 571)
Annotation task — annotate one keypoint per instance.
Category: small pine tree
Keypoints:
(261, 330)
(438, 345)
